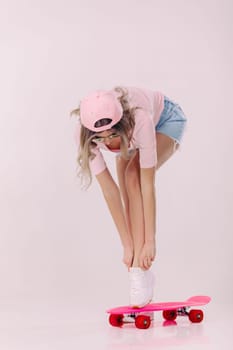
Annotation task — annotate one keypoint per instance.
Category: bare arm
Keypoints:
(147, 177)
(113, 199)
(149, 208)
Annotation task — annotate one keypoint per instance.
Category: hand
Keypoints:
(128, 256)
(147, 255)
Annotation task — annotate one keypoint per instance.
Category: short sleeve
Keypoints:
(97, 165)
(145, 139)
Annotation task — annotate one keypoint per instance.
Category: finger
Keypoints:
(146, 263)
(129, 263)
(142, 265)
(150, 261)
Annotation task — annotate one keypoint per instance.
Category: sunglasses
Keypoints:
(103, 138)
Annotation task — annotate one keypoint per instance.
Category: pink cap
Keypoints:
(98, 105)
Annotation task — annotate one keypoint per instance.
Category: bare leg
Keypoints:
(121, 165)
(129, 180)
(166, 147)
(133, 188)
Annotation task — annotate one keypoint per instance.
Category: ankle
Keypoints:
(135, 262)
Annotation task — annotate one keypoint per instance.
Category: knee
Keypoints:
(120, 164)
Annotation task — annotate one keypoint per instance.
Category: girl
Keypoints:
(143, 128)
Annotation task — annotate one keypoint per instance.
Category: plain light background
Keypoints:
(57, 241)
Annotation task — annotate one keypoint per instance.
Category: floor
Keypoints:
(56, 325)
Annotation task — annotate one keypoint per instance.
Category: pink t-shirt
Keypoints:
(146, 118)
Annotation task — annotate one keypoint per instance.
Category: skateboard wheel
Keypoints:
(196, 316)
(169, 315)
(142, 322)
(116, 320)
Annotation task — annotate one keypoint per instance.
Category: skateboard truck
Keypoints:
(183, 311)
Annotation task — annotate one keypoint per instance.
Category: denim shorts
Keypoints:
(172, 121)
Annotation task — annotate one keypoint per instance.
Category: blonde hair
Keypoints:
(124, 128)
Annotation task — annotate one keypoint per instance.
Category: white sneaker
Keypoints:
(141, 286)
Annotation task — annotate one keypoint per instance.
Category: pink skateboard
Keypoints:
(170, 312)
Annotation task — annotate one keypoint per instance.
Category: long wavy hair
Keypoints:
(124, 128)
